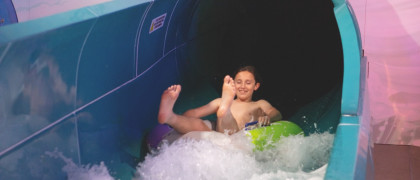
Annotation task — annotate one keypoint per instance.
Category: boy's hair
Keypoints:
(252, 70)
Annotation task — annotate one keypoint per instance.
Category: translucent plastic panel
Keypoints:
(112, 128)
(44, 155)
(37, 80)
(107, 59)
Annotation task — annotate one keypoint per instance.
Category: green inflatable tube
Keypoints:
(264, 137)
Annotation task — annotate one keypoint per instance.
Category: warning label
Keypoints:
(157, 23)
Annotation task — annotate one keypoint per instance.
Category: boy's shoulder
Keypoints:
(263, 101)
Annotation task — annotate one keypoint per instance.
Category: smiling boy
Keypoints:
(232, 113)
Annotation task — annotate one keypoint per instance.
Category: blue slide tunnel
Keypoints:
(87, 83)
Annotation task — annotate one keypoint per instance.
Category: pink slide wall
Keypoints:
(390, 32)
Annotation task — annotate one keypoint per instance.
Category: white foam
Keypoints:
(211, 156)
(82, 172)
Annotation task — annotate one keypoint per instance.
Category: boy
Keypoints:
(232, 114)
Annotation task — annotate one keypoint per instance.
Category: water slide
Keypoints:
(87, 82)
(7, 13)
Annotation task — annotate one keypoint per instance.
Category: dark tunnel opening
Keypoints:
(295, 45)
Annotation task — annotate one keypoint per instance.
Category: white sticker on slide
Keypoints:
(157, 23)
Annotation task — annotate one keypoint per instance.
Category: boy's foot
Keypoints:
(228, 94)
(167, 102)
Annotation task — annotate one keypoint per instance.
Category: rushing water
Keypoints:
(84, 172)
(212, 155)
(217, 156)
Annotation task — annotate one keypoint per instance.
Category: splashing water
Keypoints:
(211, 155)
(217, 156)
(84, 172)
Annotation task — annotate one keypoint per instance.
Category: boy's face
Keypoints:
(245, 85)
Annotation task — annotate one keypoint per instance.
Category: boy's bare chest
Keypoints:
(243, 112)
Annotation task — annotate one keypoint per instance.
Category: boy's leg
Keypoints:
(225, 120)
(182, 124)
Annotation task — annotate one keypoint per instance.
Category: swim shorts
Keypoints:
(210, 124)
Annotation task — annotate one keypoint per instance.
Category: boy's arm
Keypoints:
(270, 111)
(205, 110)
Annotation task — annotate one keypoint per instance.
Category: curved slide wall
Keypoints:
(87, 83)
(7, 13)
